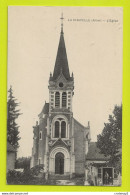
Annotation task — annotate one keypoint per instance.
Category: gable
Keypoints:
(61, 78)
(60, 142)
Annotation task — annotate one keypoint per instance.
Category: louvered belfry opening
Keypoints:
(57, 129)
(64, 99)
(57, 99)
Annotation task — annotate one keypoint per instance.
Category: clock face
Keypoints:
(61, 84)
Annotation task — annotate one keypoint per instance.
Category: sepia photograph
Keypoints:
(64, 104)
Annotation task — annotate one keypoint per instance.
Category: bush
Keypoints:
(26, 177)
(14, 177)
(37, 169)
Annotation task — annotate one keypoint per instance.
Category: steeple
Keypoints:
(61, 63)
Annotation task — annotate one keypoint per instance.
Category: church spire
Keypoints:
(61, 63)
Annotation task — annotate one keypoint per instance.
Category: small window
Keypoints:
(40, 135)
(61, 84)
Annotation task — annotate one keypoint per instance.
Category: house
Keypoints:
(60, 142)
(98, 170)
(11, 157)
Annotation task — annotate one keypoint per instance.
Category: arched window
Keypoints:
(57, 99)
(63, 129)
(64, 99)
(57, 129)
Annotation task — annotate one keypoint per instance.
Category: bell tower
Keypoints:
(61, 86)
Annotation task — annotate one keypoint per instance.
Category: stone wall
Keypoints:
(79, 147)
(42, 141)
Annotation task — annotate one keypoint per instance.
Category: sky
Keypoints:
(93, 39)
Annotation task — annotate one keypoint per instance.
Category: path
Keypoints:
(65, 183)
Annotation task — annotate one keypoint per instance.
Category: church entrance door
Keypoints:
(59, 163)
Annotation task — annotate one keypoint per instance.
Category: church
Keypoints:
(60, 142)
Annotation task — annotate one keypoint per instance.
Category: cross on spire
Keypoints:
(62, 18)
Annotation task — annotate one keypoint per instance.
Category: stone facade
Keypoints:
(60, 142)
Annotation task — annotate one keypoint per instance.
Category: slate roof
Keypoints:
(61, 64)
(94, 153)
(45, 109)
(75, 121)
(10, 148)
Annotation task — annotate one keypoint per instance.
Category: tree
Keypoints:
(23, 162)
(12, 115)
(110, 140)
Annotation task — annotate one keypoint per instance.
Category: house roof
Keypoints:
(94, 152)
(10, 148)
(61, 63)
